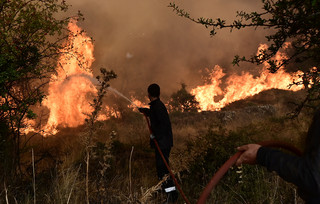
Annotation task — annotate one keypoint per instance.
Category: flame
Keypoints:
(136, 103)
(242, 86)
(72, 85)
(109, 112)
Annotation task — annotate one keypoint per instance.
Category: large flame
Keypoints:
(71, 87)
(242, 86)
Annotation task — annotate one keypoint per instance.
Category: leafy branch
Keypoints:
(293, 21)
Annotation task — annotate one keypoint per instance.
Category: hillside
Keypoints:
(203, 141)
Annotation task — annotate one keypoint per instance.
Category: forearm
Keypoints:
(291, 168)
(145, 111)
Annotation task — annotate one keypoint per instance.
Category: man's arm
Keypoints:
(145, 111)
(296, 170)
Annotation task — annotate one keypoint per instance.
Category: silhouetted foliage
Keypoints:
(294, 21)
(183, 101)
(31, 38)
(90, 134)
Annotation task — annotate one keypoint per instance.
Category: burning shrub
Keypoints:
(183, 101)
(31, 36)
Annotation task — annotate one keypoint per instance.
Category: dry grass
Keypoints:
(109, 177)
(67, 186)
(146, 195)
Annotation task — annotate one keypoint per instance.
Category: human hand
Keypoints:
(249, 154)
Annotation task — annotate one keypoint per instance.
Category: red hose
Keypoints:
(224, 168)
(165, 162)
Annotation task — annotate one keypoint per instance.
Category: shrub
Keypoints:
(244, 184)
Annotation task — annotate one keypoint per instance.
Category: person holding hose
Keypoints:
(303, 171)
(162, 133)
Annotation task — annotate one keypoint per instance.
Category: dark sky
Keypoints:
(144, 41)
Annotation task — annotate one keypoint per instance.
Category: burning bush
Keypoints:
(183, 101)
(31, 37)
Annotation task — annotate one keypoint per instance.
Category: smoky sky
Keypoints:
(144, 41)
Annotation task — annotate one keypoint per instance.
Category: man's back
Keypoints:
(160, 124)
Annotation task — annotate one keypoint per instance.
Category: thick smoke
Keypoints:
(144, 41)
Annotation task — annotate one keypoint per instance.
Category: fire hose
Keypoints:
(165, 162)
(223, 169)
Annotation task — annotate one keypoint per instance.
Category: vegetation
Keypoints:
(111, 161)
(89, 136)
(289, 21)
(121, 167)
(244, 184)
(183, 101)
(30, 42)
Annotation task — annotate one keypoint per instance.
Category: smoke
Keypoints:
(144, 41)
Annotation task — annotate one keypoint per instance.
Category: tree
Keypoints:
(31, 38)
(183, 101)
(294, 21)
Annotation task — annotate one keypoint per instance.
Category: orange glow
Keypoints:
(136, 103)
(71, 87)
(242, 86)
(109, 112)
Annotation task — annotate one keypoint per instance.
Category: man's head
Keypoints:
(153, 91)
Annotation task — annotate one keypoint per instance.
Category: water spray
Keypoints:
(123, 96)
(95, 82)
(83, 75)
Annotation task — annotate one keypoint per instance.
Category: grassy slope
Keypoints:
(203, 142)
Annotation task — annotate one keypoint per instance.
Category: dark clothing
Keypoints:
(297, 170)
(160, 124)
(161, 129)
(161, 167)
(303, 171)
